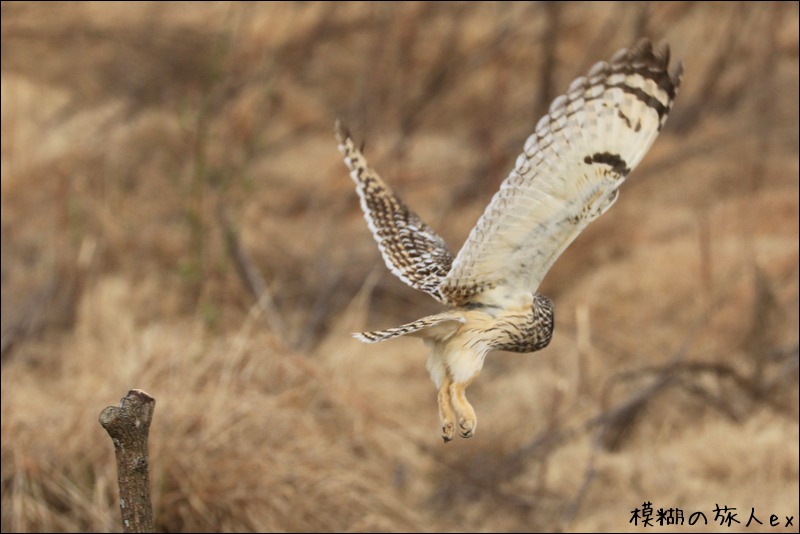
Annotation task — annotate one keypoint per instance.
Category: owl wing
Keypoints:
(411, 249)
(568, 175)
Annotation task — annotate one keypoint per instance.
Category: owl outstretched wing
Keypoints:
(568, 175)
(411, 249)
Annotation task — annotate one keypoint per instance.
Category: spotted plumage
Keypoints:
(569, 174)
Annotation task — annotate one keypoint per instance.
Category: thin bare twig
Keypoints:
(249, 273)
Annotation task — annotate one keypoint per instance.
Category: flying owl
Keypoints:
(569, 174)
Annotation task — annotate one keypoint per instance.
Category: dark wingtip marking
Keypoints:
(662, 54)
(343, 134)
(648, 100)
(614, 161)
(341, 130)
(677, 72)
(642, 48)
(651, 62)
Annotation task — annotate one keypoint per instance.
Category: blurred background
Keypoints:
(176, 218)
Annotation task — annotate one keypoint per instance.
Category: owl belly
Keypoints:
(460, 356)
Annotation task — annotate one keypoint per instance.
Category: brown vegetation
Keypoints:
(132, 132)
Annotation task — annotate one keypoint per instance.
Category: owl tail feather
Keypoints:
(439, 326)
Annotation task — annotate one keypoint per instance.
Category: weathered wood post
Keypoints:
(129, 425)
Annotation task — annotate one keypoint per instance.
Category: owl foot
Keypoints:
(467, 427)
(448, 431)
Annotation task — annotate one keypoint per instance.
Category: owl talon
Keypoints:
(467, 427)
(448, 431)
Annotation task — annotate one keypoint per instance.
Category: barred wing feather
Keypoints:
(411, 249)
(568, 175)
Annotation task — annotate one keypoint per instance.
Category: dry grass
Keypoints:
(673, 374)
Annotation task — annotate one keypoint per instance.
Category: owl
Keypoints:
(568, 174)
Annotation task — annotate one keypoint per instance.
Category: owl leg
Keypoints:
(467, 420)
(446, 414)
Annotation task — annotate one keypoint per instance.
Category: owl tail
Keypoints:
(439, 326)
